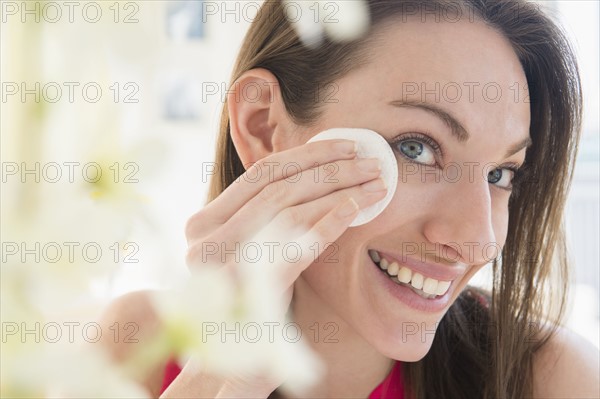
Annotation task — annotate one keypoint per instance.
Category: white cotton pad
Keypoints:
(370, 145)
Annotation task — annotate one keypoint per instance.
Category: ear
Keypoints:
(258, 119)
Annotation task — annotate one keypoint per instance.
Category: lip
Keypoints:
(438, 272)
(407, 296)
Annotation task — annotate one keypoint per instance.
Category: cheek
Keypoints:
(328, 272)
(340, 259)
(337, 277)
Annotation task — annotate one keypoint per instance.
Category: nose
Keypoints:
(462, 223)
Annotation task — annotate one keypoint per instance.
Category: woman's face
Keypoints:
(459, 79)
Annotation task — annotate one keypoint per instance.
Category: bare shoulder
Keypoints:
(131, 312)
(568, 366)
(136, 305)
(130, 323)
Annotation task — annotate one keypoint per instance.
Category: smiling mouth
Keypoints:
(426, 287)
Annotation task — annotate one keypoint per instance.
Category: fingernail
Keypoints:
(346, 146)
(369, 165)
(348, 209)
(374, 185)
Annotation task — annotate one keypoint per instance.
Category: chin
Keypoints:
(413, 354)
(406, 347)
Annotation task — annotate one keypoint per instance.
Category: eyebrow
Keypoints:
(458, 130)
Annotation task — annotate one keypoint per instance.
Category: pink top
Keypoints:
(390, 388)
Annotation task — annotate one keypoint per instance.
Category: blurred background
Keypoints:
(135, 89)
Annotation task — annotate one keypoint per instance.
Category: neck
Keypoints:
(354, 367)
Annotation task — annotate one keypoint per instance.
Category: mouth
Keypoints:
(424, 286)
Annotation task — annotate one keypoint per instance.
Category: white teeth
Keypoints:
(374, 255)
(417, 281)
(427, 287)
(442, 287)
(404, 275)
(430, 286)
(393, 269)
(384, 264)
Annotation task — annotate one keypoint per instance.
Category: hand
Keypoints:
(288, 195)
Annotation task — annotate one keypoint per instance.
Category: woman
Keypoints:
(491, 88)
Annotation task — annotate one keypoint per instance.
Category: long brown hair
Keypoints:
(485, 343)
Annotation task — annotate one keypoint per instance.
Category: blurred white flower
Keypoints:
(341, 21)
(301, 14)
(77, 232)
(350, 19)
(234, 320)
(62, 369)
(47, 276)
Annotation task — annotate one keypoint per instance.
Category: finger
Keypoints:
(324, 232)
(299, 189)
(224, 245)
(306, 215)
(273, 168)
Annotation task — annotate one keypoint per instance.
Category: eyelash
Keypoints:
(517, 170)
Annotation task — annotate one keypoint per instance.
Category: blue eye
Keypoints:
(417, 148)
(496, 175)
(508, 183)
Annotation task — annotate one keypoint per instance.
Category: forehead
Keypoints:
(467, 68)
